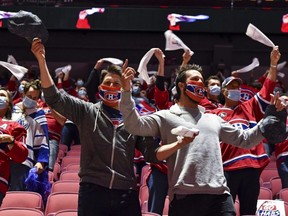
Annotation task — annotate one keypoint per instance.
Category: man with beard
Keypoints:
(197, 185)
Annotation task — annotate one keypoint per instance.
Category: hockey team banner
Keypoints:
(270, 208)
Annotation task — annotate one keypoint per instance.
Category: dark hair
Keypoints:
(181, 74)
(35, 84)
(112, 69)
(8, 114)
(212, 77)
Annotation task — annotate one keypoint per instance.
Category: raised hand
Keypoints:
(38, 49)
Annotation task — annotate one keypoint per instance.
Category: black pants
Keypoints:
(95, 200)
(245, 184)
(202, 205)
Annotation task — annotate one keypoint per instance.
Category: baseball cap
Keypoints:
(228, 80)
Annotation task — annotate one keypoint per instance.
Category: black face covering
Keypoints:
(27, 25)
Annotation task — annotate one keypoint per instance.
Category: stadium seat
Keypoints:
(73, 166)
(283, 194)
(276, 186)
(23, 199)
(149, 214)
(67, 212)
(266, 175)
(70, 175)
(61, 201)
(65, 186)
(265, 194)
(14, 211)
(69, 160)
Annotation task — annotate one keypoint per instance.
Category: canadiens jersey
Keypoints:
(18, 153)
(245, 116)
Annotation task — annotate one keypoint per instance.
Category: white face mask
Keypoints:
(29, 103)
(3, 102)
(215, 90)
(234, 94)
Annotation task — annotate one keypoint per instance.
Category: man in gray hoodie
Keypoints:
(107, 180)
(197, 185)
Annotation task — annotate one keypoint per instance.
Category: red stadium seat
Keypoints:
(23, 199)
(14, 211)
(65, 186)
(61, 201)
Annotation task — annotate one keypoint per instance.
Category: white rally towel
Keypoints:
(114, 61)
(142, 68)
(6, 15)
(174, 43)
(254, 64)
(66, 69)
(254, 33)
(12, 60)
(16, 70)
(184, 131)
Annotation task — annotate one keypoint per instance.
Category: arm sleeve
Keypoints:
(19, 151)
(134, 123)
(92, 85)
(148, 147)
(239, 137)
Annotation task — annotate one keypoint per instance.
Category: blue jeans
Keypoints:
(54, 149)
(70, 134)
(95, 200)
(283, 172)
(158, 187)
(202, 205)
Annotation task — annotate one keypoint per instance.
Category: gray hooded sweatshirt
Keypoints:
(107, 152)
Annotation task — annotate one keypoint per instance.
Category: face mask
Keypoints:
(29, 103)
(82, 93)
(21, 88)
(136, 90)
(195, 90)
(215, 90)
(3, 102)
(110, 95)
(80, 83)
(234, 94)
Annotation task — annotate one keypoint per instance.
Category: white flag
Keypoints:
(142, 68)
(66, 69)
(114, 61)
(257, 35)
(16, 70)
(174, 43)
(254, 64)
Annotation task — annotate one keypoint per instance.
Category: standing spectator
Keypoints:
(243, 166)
(108, 184)
(197, 185)
(34, 121)
(12, 141)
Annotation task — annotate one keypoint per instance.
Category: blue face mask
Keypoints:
(29, 103)
(136, 90)
(3, 102)
(82, 93)
(21, 88)
(234, 94)
(215, 90)
(80, 83)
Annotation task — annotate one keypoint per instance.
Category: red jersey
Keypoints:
(18, 153)
(209, 105)
(245, 116)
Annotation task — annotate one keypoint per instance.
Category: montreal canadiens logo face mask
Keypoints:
(110, 95)
(195, 90)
